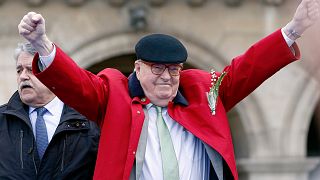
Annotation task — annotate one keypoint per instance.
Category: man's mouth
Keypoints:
(25, 85)
(164, 84)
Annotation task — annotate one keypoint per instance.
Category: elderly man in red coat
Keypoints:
(164, 122)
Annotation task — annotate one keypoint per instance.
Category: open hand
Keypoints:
(305, 16)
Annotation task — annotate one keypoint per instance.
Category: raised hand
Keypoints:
(305, 16)
(32, 28)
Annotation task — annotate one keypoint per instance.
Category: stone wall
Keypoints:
(274, 120)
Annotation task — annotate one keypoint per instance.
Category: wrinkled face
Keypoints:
(32, 92)
(160, 89)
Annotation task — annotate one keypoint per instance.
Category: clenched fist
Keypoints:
(32, 28)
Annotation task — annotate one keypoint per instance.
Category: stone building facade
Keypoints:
(275, 129)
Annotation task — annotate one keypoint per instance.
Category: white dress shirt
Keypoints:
(51, 117)
(193, 161)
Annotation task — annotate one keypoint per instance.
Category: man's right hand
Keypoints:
(306, 15)
(32, 28)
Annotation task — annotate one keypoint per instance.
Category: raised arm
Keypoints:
(266, 57)
(80, 89)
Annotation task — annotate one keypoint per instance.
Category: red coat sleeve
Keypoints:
(247, 71)
(80, 89)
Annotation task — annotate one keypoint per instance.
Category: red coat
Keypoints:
(105, 98)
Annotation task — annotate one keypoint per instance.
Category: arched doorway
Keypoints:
(124, 63)
(313, 141)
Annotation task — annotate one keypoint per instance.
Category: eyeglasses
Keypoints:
(158, 69)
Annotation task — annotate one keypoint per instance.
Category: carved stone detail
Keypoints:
(196, 2)
(233, 3)
(138, 17)
(273, 2)
(75, 2)
(117, 3)
(2, 1)
(35, 2)
(157, 2)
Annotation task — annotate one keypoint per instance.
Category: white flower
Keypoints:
(213, 93)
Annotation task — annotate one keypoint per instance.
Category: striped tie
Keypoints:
(169, 160)
(41, 132)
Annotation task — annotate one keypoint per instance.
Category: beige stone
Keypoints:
(270, 127)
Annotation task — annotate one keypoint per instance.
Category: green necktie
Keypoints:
(170, 166)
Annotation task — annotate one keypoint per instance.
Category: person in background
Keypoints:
(40, 136)
(164, 122)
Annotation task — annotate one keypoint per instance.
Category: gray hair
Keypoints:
(23, 47)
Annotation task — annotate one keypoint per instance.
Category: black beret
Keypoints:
(161, 48)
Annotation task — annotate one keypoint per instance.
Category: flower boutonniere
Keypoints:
(213, 93)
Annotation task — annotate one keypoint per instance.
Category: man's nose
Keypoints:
(166, 74)
(24, 75)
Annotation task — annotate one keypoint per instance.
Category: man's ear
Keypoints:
(137, 66)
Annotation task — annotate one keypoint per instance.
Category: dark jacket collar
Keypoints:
(70, 120)
(17, 108)
(135, 90)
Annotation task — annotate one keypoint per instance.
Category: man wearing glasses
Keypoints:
(162, 122)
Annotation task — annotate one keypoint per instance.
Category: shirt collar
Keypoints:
(135, 90)
(54, 106)
(150, 105)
